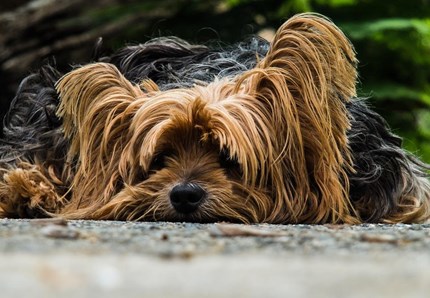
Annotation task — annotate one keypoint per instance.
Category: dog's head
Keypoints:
(268, 145)
(197, 154)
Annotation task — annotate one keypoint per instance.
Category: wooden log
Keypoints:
(34, 30)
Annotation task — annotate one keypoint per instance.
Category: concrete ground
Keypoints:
(55, 258)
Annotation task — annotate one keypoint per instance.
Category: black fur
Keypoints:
(31, 129)
(174, 63)
(379, 162)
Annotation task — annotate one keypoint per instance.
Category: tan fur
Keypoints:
(27, 192)
(268, 120)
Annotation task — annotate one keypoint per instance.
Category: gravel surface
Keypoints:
(52, 258)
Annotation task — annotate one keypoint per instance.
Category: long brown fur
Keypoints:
(268, 120)
(282, 124)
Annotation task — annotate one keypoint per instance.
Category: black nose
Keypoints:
(187, 197)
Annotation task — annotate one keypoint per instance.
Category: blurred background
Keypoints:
(392, 39)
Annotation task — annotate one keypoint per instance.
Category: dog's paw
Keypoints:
(26, 192)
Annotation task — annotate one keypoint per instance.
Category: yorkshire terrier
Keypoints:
(252, 133)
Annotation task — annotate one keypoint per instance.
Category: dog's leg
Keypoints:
(26, 192)
(32, 133)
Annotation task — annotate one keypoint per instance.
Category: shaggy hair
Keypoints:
(166, 130)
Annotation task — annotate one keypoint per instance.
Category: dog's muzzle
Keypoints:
(187, 197)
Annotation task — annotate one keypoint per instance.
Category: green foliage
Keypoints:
(395, 56)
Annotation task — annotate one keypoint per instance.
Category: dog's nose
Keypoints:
(187, 197)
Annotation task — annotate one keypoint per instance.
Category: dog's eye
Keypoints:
(226, 161)
(140, 175)
(158, 162)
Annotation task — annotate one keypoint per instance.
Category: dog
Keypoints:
(257, 132)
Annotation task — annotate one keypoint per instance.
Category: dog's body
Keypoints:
(171, 131)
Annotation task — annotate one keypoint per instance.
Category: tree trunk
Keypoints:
(33, 31)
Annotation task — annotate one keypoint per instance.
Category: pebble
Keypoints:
(48, 221)
(59, 232)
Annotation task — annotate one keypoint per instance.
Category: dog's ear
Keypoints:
(303, 82)
(96, 108)
(315, 55)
